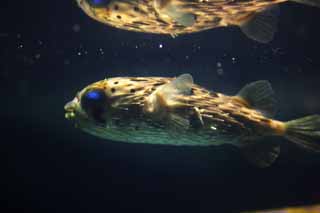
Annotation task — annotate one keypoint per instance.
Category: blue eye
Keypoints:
(98, 3)
(93, 95)
(95, 103)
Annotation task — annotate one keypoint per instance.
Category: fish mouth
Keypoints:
(70, 109)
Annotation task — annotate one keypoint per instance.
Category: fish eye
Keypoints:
(94, 103)
(98, 3)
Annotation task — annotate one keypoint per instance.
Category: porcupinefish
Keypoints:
(256, 18)
(175, 111)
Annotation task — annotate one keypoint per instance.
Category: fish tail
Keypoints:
(304, 132)
(313, 3)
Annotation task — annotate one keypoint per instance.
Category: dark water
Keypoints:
(50, 49)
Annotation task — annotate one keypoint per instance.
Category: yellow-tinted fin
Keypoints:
(182, 85)
(260, 96)
(313, 3)
(162, 103)
(181, 17)
(304, 132)
(262, 26)
(261, 153)
(165, 96)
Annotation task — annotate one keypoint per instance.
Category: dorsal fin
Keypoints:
(260, 96)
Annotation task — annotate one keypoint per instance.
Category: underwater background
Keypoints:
(51, 49)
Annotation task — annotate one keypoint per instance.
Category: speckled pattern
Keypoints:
(226, 119)
(142, 16)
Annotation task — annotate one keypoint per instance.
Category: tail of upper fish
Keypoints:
(313, 3)
(304, 132)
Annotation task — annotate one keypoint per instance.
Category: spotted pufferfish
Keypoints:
(256, 18)
(175, 111)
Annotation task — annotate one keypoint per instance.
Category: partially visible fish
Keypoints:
(257, 18)
(297, 209)
(175, 111)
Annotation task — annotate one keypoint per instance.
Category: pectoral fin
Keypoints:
(165, 96)
(175, 12)
(182, 85)
(262, 26)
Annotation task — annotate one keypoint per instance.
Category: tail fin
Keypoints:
(305, 132)
(313, 3)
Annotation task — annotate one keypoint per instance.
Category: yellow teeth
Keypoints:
(69, 115)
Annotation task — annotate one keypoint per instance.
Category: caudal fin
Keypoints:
(305, 132)
(313, 3)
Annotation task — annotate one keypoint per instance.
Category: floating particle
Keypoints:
(160, 46)
(37, 56)
(76, 28)
(220, 71)
(66, 62)
(219, 64)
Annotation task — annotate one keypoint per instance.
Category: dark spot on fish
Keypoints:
(266, 120)
(136, 9)
(138, 79)
(113, 90)
(140, 23)
(214, 94)
(116, 7)
(217, 20)
(132, 90)
(119, 17)
(153, 89)
(116, 82)
(162, 22)
(158, 84)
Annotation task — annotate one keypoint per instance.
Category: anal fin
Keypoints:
(262, 26)
(261, 153)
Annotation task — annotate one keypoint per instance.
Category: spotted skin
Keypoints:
(225, 119)
(143, 16)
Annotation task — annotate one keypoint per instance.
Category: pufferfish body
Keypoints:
(175, 111)
(257, 18)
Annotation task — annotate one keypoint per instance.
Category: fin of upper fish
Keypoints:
(260, 96)
(261, 153)
(313, 3)
(261, 26)
(175, 12)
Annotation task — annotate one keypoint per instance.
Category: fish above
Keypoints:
(175, 111)
(256, 18)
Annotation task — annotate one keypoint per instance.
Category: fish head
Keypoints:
(90, 107)
(117, 13)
